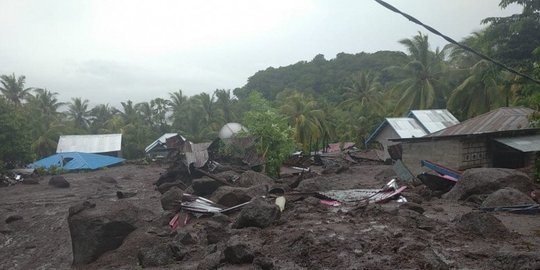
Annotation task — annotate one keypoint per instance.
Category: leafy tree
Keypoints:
(99, 115)
(273, 138)
(13, 88)
(15, 147)
(225, 105)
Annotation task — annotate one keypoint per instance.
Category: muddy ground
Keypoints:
(308, 235)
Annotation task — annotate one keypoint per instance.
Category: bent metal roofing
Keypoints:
(101, 143)
(434, 120)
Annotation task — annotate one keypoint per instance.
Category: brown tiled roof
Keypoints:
(502, 119)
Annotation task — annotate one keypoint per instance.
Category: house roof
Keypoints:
(418, 123)
(524, 144)
(434, 120)
(501, 119)
(100, 143)
(77, 161)
(160, 141)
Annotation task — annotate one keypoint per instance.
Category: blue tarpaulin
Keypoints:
(77, 161)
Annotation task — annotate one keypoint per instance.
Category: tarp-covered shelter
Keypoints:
(77, 161)
(109, 144)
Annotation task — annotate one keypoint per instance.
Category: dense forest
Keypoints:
(302, 106)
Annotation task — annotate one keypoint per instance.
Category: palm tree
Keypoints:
(160, 108)
(177, 105)
(422, 87)
(363, 90)
(480, 92)
(225, 105)
(99, 115)
(45, 102)
(78, 113)
(304, 118)
(13, 88)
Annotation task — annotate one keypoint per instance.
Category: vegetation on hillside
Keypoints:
(302, 106)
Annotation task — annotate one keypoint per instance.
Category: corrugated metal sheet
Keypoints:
(100, 143)
(160, 141)
(523, 143)
(502, 119)
(434, 120)
(406, 127)
(198, 154)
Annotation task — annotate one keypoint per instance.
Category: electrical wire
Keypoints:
(434, 31)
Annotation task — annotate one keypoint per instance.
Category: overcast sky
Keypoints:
(110, 51)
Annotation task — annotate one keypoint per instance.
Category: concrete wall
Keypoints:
(383, 136)
(446, 152)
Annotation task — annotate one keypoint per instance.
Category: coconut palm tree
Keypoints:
(304, 117)
(225, 105)
(13, 88)
(422, 87)
(363, 90)
(78, 113)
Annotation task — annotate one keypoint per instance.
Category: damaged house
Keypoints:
(501, 138)
(418, 123)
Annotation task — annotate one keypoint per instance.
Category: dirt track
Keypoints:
(308, 235)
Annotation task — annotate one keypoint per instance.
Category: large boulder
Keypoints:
(507, 197)
(170, 199)
(237, 251)
(97, 229)
(258, 213)
(58, 181)
(487, 180)
(205, 186)
(166, 186)
(251, 178)
(231, 196)
(482, 224)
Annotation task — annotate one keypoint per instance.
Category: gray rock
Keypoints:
(507, 197)
(230, 196)
(170, 199)
(482, 224)
(488, 180)
(97, 230)
(153, 256)
(238, 252)
(168, 185)
(412, 206)
(215, 232)
(13, 218)
(251, 178)
(58, 181)
(258, 213)
(205, 186)
(107, 179)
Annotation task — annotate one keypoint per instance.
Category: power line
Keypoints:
(434, 31)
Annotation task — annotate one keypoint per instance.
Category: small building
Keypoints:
(501, 138)
(418, 123)
(105, 144)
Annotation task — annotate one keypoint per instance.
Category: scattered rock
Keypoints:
(205, 186)
(251, 178)
(166, 186)
(230, 196)
(99, 229)
(30, 181)
(412, 206)
(515, 260)
(488, 180)
(125, 194)
(58, 181)
(238, 252)
(13, 218)
(170, 199)
(507, 197)
(211, 261)
(215, 232)
(107, 179)
(258, 213)
(153, 256)
(264, 263)
(482, 224)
